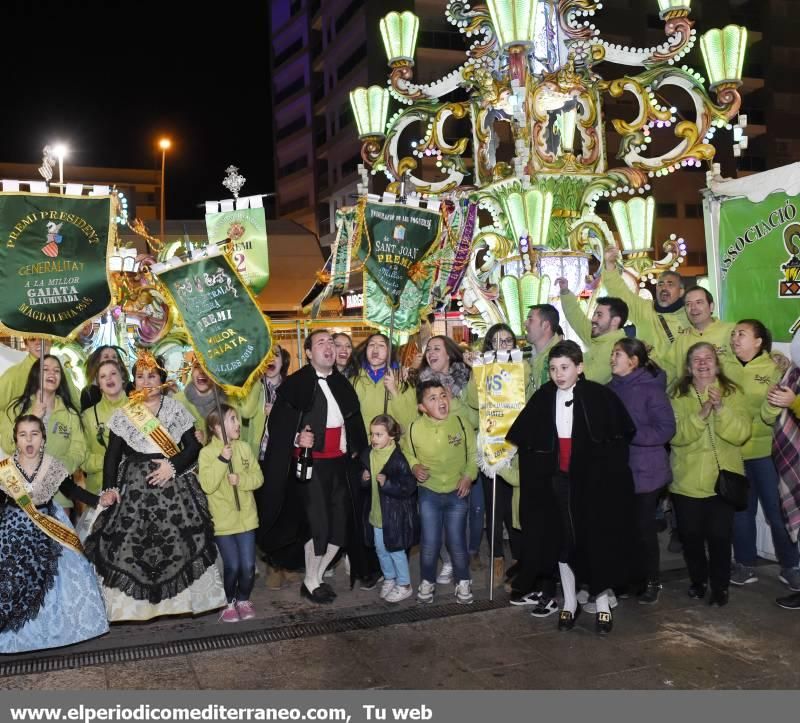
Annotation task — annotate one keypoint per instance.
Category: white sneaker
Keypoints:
(583, 596)
(464, 592)
(386, 588)
(425, 592)
(399, 593)
(330, 572)
(445, 577)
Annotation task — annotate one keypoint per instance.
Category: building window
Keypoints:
(295, 205)
(290, 89)
(288, 52)
(694, 210)
(351, 165)
(667, 210)
(348, 13)
(356, 57)
(296, 165)
(296, 125)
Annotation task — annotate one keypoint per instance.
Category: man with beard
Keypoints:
(598, 334)
(658, 323)
(316, 408)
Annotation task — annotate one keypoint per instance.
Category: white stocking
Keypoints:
(602, 602)
(313, 571)
(325, 560)
(568, 587)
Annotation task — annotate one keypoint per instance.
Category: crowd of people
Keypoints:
(359, 456)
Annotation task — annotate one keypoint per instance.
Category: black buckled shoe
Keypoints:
(718, 597)
(328, 589)
(603, 623)
(318, 595)
(566, 619)
(697, 592)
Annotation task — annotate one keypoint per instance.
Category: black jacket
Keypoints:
(398, 498)
(601, 484)
(280, 511)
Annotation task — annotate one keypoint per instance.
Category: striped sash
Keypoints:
(150, 426)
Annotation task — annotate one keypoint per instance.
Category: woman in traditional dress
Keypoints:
(154, 551)
(49, 594)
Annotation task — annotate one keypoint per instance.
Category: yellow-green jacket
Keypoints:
(673, 359)
(96, 452)
(694, 468)
(644, 316)
(755, 378)
(597, 357)
(13, 379)
(245, 407)
(402, 407)
(446, 447)
(540, 370)
(214, 481)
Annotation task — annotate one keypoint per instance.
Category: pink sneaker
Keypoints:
(246, 610)
(230, 614)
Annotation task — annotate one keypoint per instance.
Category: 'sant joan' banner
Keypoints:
(53, 255)
(228, 332)
(395, 238)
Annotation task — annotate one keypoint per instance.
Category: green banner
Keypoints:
(247, 230)
(228, 332)
(396, 237)
(759, 258)
(53, 252)
(378, 313)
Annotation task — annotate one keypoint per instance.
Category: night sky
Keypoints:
(132, 71)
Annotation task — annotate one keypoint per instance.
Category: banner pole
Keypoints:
(225, 441)
(41, 370)
(491, 540)
(389, 362)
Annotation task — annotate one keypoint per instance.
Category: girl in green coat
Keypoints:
(751, 342)
(55, 408)
(712, 426)
(227, 468)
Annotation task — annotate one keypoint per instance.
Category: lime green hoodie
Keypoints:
(95, 452)
(13, 380)
(597, 357)
(540, 369)
(755, 378)
(214, 481)
(402, 407)
(643, 314)
(694, 468)
(446, 447)
(673, 359)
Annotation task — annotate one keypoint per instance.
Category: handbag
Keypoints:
(732, 487)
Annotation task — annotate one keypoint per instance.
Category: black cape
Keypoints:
(282, 519)
(601, 485)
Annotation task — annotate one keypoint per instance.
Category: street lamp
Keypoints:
(723, 54)
(164, 144)
(515, 22)
(61, 150)
(399, 32)
(371, 108)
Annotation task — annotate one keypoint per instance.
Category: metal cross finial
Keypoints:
(234, 180)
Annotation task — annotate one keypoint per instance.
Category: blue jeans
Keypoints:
(476, 520)
(394, 565)
(443, 514)
(239, 563)
(764, 487)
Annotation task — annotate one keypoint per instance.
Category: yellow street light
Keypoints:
(164, 144)
(61, 151)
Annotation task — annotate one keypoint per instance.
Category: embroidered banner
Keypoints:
(227, 330)
(501, 397)
(53, 252)
(247, 230)
(394, 240)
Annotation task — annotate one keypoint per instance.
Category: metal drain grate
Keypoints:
(294, 631)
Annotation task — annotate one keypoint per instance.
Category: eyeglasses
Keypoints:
(506, 341)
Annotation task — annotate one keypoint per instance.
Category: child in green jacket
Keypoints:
(225, 469)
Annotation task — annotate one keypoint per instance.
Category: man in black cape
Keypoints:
(315, 408)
